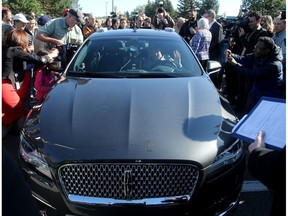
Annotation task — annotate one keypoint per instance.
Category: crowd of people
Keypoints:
(253, 58)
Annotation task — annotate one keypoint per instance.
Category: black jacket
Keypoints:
(269, 167)
(266, 73)
(185, 29)
(249, 40)
(215, 45)
(14, 61)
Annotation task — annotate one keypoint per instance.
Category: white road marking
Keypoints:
(253, 186)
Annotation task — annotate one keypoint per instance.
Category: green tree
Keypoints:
(209, 4)
(54, 8)
(150, 8)
(185, 6)
(266, 7)
(23, 6)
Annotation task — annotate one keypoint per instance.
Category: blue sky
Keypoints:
(104, 7)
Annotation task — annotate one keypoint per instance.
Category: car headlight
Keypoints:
(33, 157)
(228, 157)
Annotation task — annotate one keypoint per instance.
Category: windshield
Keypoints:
(134, 57)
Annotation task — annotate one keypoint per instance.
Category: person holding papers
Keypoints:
(264, 67)
(269, 167)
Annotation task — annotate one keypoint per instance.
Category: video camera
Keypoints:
(134, 14)
(241, 21)
(160, 7)
(113, 14)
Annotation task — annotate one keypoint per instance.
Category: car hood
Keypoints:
(173, 118)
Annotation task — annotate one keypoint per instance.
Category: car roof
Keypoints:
(135, 32)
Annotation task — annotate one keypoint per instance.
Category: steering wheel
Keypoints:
(165, 66)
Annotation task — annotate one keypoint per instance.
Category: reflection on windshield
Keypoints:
(149, 56)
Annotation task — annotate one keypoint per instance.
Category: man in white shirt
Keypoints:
(279, 38)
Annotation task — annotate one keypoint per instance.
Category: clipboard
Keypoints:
(268, 115)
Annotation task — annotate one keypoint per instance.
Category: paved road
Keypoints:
(255, 199)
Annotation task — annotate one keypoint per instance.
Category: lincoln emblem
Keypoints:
(127, 183)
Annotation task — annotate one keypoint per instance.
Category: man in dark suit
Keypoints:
(188, 29)
(217, 35)
(216, 30)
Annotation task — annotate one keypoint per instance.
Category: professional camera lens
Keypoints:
(160, 10)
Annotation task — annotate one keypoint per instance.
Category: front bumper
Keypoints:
(217, 195)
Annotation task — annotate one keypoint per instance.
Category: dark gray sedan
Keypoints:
(134, 126)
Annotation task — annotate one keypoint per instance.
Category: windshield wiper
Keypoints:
(158, 75)
(97, 74)
(124, 74)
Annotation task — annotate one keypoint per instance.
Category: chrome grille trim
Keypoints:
(134, 183)
(107, 201)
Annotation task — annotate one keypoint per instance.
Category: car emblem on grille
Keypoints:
(127, 183)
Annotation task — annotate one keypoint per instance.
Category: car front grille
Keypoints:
(133, 181)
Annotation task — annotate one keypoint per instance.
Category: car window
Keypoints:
(133, 57)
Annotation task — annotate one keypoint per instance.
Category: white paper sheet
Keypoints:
(268, 115)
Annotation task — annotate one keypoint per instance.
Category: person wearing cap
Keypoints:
(40, 45)
(162, 19)
(65, 12)
(189, 28)
(20, 21)
(64, 31)
(43, 19)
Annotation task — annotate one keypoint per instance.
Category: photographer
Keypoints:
(188, 28)
(90, 26)
(263, 68)
(162, 19)
(248, 39)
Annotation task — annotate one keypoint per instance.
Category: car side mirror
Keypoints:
(212, 69)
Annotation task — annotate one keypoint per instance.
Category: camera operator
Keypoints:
(188, 28)
(90, 26)
(162, 19)
(248, 41)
